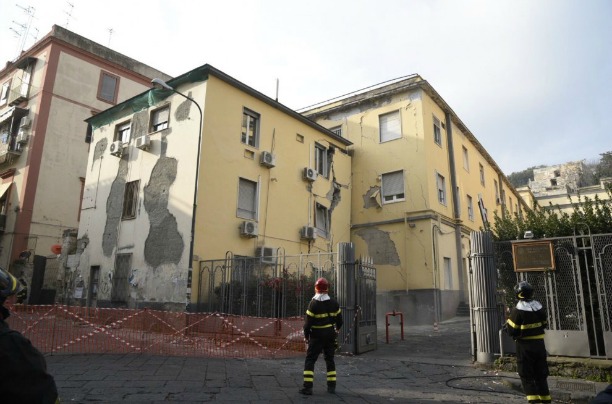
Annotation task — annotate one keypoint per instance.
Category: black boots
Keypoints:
(307, 391)
(331, 389)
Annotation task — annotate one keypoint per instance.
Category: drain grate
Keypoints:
(576, 386)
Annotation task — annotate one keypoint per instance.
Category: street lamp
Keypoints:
(160, 84)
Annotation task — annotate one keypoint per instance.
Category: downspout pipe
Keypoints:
(456, 200)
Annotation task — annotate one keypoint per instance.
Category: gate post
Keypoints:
(484, 296)
(345, 290)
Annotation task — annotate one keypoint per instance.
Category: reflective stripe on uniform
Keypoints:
(323, 326)
(311, 314)
(541, 336)
(331, 376)
(308, 376)
(524, 326)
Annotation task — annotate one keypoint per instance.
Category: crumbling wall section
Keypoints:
(114, 209)
(164, 243)
(380, 246)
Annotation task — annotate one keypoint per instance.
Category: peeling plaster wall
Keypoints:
(164, 244)
(114, 209)
(380, 246)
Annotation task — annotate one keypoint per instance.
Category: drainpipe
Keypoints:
(456, 199)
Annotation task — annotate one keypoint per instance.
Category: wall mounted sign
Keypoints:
(533, 256)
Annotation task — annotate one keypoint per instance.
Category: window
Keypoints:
(470, 208)
(553, 182)
(497, 201)
(466, 159)
(107, 88)
(448, 273)
(510, 204)
(322, 160)
(437, 128)
(322, 220)
(5, 92)
(482, 177)
(250, 128)
(123, 131)
(390, 127)
(247, 199)
(393, 187)
(130, 200)
(337, 130)
(441, 182)
(159, 119)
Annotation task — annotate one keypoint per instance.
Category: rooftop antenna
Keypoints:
(24, 29)
(68, 13)
(277, 90)
(110, 34)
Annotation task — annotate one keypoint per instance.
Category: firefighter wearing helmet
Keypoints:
(526, 325)
(323, 320)
(23, 370)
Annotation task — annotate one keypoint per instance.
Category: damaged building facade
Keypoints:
(47, 92)
(421, 183)
(258, 176)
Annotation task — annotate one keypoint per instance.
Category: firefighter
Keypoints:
(526, 325)
(323, 320)
(23, 370)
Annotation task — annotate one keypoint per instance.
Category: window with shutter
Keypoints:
(123, 132)
(130, 200)
(250, 128)
(393, 187)
(390, 127)
(159, 119)
(247, 199)
(107, 88)
(441, 182)
(322, 220)
(437, 128)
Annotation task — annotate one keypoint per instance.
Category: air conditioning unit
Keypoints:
(116, 148)
(266, 254)
(143, 142)
(22, 136)
(308, 233)
(25, 122)
(267, 159)
(248, 229)
(310, 174)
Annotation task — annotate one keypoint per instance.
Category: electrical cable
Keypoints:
(480, 377)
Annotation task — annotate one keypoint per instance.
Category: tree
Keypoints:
(596, 214)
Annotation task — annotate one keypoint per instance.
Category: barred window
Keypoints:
(130, 200)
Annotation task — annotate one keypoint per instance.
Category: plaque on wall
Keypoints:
(533, 256)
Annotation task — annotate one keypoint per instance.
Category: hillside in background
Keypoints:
(595, 170)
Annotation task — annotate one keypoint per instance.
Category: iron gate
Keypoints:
(280, 286)
(576, 294)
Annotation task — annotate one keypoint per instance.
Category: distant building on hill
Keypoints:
(562, 185)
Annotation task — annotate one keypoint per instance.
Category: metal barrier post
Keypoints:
(394, 313)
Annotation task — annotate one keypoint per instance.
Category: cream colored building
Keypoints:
(418, 176)
(266, 177)
(46, 94)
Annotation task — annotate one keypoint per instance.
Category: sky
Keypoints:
(531, 79)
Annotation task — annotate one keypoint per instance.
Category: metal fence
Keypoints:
(276, 286)
(58, 329)
(575, 294)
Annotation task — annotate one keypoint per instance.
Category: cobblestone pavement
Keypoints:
(428, 366)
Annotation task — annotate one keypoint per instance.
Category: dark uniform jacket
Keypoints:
(23, 369)
(527, 321)
(323, 317)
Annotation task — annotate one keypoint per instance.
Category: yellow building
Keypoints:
(46, 94)
(421, 183)
(268, 180)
